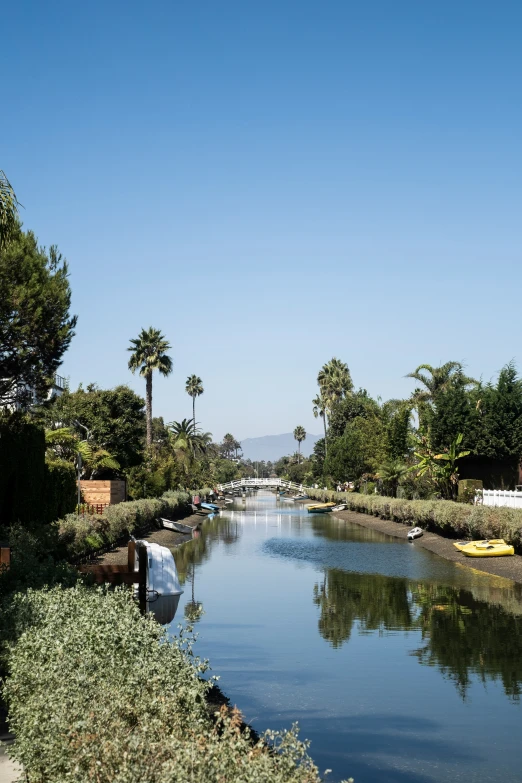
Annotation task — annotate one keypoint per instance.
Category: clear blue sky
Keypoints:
(272, 184)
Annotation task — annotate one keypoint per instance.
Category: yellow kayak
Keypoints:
(487, 549)
(317, 508)
(461, 544)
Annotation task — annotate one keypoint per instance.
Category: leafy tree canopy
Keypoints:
(109, 419)
(35, 325)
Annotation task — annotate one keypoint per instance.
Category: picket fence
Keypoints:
(499, 497)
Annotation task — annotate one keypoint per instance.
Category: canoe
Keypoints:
(461, 544)
(320, 508)
(301, 497)
(487, 549)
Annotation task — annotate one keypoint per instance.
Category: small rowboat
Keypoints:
(340, 507)
(487, 549)
(415, 532)
(320, 508)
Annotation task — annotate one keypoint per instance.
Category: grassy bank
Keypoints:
(457, 520)
(96, 692)
(86, 534)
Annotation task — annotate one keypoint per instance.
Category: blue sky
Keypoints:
(272, 184)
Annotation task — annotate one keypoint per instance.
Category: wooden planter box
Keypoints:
(105, 493)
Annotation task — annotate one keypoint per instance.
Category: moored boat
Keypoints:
(339, 507)
(210, 507)
(320, 508)
(415, 532)
(487, 549)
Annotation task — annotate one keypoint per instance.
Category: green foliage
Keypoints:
(81, 535)
(35, 326)
(468, 489)
(8, 211)
(98, 692)
(148, 353)
(60, 494)
(22, 472)
(397, 433)
(224, 470)
(390, 473)
(446, 516)
(112, 420)
(358, 405)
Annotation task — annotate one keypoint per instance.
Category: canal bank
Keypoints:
(507, 567)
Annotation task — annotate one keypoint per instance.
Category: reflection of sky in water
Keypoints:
(278, 585)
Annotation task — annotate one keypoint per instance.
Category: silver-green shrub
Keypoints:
(85, 534)
(96, 692)
(445, 516)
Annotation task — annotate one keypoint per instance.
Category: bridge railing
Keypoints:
(260, 482)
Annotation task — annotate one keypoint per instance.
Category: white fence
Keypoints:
(499, 497)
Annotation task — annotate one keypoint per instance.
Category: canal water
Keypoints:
(399, 666)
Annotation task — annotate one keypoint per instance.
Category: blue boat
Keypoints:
(210, 507)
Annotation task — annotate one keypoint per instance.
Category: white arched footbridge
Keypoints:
(259, 483)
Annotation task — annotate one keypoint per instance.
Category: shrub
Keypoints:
(468, 489)
(96, 692)
(84, 534)
(444, 516)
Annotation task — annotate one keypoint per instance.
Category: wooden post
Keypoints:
(142, 578)
(131, 555)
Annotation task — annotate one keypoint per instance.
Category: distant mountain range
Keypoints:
(272, 447)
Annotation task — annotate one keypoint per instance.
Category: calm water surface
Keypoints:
(399, 666)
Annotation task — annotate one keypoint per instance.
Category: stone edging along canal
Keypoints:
(509, 567)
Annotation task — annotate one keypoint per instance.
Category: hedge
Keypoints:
(81, 535)
(443, 516)
(96, 692)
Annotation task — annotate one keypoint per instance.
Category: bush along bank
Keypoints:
(456, 520)
(98, 692)
(86, 534)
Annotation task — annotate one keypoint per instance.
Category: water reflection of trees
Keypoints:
(198, 550)
(461, 635)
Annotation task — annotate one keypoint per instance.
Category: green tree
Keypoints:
(390, 473)
(357, 405)
(149, 354)
(319, 410)
(398, 433)
(439, 379)
(65, 444)
(299, 435)
(188, 443)
(334, 381)
(194, 388)
(112, 419)
(442, 468)
(35, 325)
(8, 211)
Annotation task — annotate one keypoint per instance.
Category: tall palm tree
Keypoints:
(319, 410)
(149, 354)
(8, 210)
(194, 387)
(335, 382)
(299, 435)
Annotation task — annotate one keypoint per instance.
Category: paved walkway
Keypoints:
(9, 771)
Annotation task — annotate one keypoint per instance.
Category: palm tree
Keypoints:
(187, 437)
(439, 379)
(299, 435)
(391, 472)
(194, 387)
(334, 380)
(319, 410)
(8, 210)
(149, 354)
